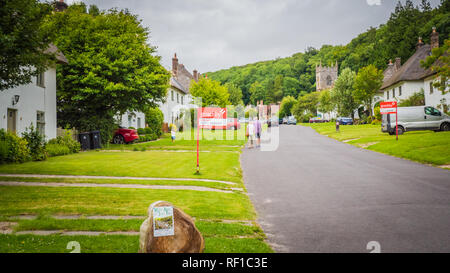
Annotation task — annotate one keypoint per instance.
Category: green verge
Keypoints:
(218, 166)
(214, 185)
(422, 146)
(116, 244)
(208, 229)
(113, 201)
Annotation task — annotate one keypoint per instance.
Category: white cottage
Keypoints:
(33, 103)
(402, 81)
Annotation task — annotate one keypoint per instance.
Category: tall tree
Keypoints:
(23, 42)
(367, 84)
(342, 93)
(211, 92)
(325, 103)
(235, 92)
(257, 92)
(286, 106)
(111, 68)
(439, 61)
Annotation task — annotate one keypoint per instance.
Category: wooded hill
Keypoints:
(272, 80)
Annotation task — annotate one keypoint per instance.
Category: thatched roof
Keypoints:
(411, 70)
(59, 55)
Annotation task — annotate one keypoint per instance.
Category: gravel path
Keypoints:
(124, 186)
(114, 177)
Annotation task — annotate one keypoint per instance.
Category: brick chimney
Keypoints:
(419, 43)
(434, 41)
(195, 75)
(174, 64)
(60, 6)
(398, 63)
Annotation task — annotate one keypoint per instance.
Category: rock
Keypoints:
(186, 239)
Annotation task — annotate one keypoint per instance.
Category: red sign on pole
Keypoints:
(390, 107)
(212, 118)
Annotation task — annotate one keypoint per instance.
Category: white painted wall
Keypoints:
(132, 119)
(408, 89)
(33, 98)
(171, 108)
(435, 98)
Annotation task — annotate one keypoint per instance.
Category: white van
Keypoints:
(416, 118)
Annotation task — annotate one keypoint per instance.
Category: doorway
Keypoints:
(12, 120)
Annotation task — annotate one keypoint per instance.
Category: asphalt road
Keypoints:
(316, 194)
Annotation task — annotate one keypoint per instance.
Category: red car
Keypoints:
(124, 135)
(233, 123)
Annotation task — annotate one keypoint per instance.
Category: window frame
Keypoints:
(40, 122)
(40, 79)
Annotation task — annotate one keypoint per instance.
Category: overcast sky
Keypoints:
(209, 35)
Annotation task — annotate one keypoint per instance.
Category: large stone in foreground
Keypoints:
(186, 239)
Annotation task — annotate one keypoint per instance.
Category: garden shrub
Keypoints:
(141, 131)
(67, 140)
(35, 142)
(4, 147)
(376, 112)
(376, 122)
(154, 118)
(54, 149)
(17, 147)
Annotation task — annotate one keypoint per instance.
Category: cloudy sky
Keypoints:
(209, 35)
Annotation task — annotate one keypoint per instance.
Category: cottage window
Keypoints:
(431, 88)
(130, 120)
(138, 122)
(182, 99)
(178, 98)
(393, 93)
(40, 79)
(399, 90)
(171, 93)
(387, 94)
(40, 122)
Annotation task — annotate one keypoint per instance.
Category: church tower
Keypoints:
(326, 76)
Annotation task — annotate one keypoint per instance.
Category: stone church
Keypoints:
(326, 76)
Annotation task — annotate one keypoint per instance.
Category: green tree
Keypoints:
(111, 68)
(290, 87)
(367, 83)
(325, 103)
(306, 106)
(23, 42)
(439, 61)
(342, 93)
(286, 106)
(257, 92)
(154, 117)
(211, 92)
(235, 92)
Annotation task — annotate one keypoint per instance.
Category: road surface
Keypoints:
(316, 194)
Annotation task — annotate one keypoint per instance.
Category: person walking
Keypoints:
(337, 125)
(258, 132)
(251, 133)
(173, 132)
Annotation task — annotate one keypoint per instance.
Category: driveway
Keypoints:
(316, 194)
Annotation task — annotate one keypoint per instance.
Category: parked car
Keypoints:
(345, 121)
(233, 123)
(291, 120)
(317, 120)
(285, 120)
(273, 122)
(125, 135)
(415, 118)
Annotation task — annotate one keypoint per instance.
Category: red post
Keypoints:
(198, 136)
(396, 121)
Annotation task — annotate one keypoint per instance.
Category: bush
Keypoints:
(154, 118)
(141, 131)
(17, 148)
(67, 140)
(376, 122)
(4, 147)
(35, 142)
(54, 149)
(377, 113)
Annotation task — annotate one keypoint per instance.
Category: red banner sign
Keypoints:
(212, 118)
(388, 107)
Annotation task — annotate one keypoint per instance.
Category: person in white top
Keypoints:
(251, 133)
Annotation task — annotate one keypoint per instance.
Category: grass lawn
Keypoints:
(219, 160)
(422, 146)
(219, 166)
(117, 244)
(113, 201)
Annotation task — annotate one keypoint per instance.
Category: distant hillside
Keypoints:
(270, 80)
